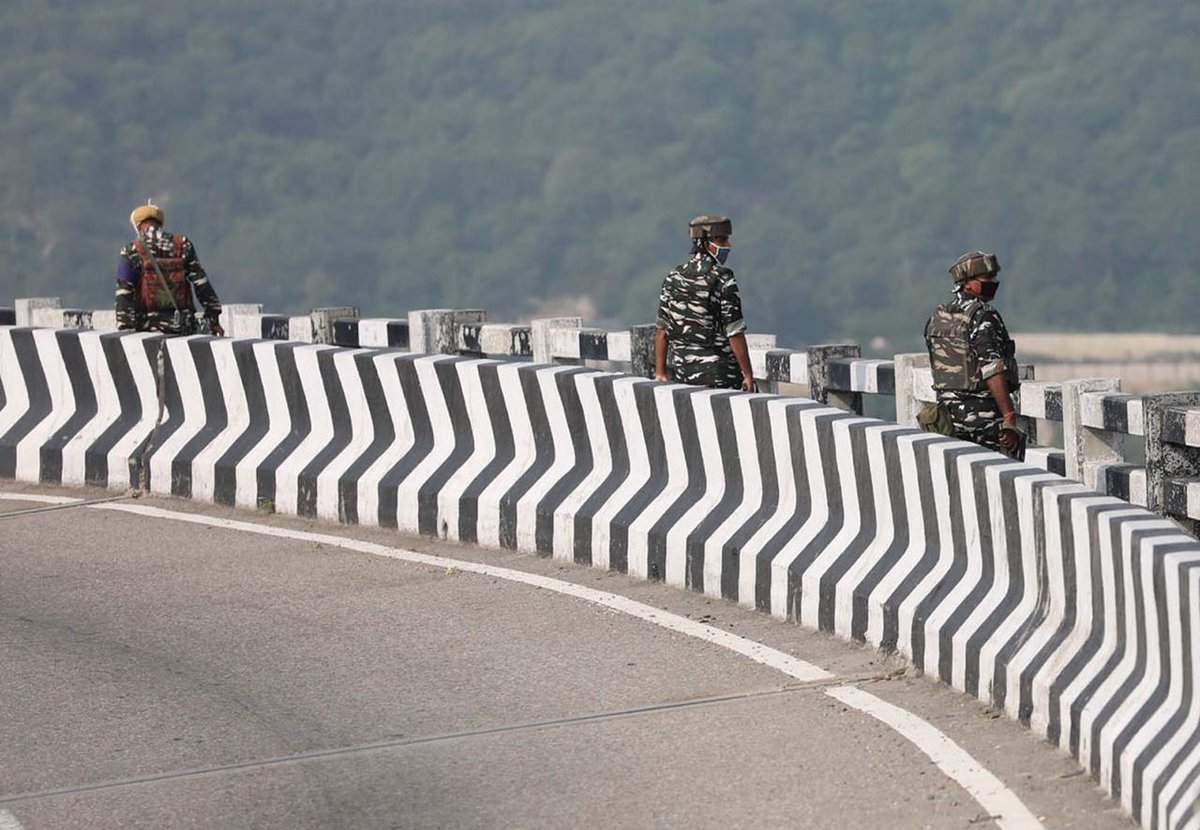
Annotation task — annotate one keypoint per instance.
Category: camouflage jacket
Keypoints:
(699, 308)
(131, 271)
(989, 342)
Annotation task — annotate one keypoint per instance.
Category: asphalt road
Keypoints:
(158, 674)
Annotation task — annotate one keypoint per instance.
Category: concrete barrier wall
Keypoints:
(1076, 613)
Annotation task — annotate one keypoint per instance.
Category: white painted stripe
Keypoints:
(144, 371)
(1174, 703)
(300, 329)
(639, 469)
(1191, 426)
(810, 584)
(496, 338)
(562, 455)
(748, 504)
(714, 489)
(237, 413)
(639, 529)
(817, 519)
(1173, 781)
(524, 453)
(1032, 401)
(952, 759)
(192, 413)
(1091, 409)
(62, 406)
(287, 476)
(402, 429)
(758, 363)
(797, 368)
(8, 821)
(1193, 499)
(885, 532)
(108, 409)
(602, 455)
(12, 379)
(407, 491)
(779, 410)
(479, 424)
(1135, 414)
(922, 380)
(618, 346)
(373, 332)
(564, 343)
(362, 432)
(914, 521)
(864, 375)
(1137, 487)
(996, 799)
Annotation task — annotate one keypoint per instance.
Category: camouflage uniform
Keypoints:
(974, 414)
(131, 271)
(699, 308)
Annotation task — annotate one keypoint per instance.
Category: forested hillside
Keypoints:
(513, 153)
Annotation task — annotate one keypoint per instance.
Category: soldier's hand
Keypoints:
(216, 328)
(662, 376)
(748, 384)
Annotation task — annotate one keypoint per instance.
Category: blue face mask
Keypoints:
(720, 254)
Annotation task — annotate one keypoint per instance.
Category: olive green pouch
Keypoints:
(933, 417)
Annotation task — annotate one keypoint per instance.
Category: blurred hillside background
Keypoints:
(526, 156)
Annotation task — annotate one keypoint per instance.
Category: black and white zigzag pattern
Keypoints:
(1075, 612)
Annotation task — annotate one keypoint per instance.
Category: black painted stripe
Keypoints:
(450, 388)
(732, 497)
(764, 447)
(250, 377)
(543, 441)
(382, 435)
(38, 391)
(8, 317)
(418, 415)
(298, 415)
(695, 486)
(593, 344)
(216, 417)
(83, 393)
(345, 333)
(275, 327)
(568, 394)
(339, 412)
(651, 431)
(502, 455)
(619, 472)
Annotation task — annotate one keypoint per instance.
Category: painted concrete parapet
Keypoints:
(1074, 612)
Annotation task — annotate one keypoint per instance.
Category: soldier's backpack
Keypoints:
(164, 288)
(951, 360)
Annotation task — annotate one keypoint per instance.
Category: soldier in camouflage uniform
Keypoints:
(973, 361)
(156, 276)
(700, 315)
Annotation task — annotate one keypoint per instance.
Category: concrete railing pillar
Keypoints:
(322, 321)
(818, 376)
(539, 335)
(436, 330)
(641, 349)
(907, 404)
(26, 307)
(1165, 459)
(1085, 448)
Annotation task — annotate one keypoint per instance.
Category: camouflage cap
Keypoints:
(708, 225)
(974, 264)
(147, 211)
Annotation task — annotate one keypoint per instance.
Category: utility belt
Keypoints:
(179, 321)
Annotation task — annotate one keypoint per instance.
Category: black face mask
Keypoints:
(987, 290)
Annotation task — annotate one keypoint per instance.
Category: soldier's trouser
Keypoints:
(979, 421)
(717, 374)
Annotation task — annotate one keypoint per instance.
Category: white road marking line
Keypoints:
(8, 821)
(952, 759)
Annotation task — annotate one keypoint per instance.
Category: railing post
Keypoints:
(1086, 448)
(818, 375)
(322, 321)
(907, 405)
(539, 335)
(641, 349)
(435, 330)
(1168, 459)
(26, 307)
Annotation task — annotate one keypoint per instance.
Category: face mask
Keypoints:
(720, 254)
(987, 290)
